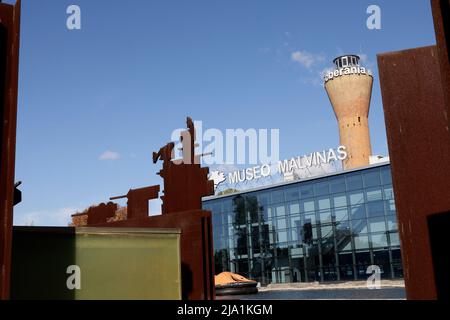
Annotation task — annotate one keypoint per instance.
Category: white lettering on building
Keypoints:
(314, 159)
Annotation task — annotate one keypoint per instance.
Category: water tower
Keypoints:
(349, 87)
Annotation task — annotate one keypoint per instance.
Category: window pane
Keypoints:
(294, 208)
(271, 213)
(272, 237)
(374, 194)
(375, 208)
(227, 205)
(395, 240)
(295, 235)
(277, 196)
(392, 223)
(314, 233)
(347, 244)
(354, 182)
(281, 211)
(377, 224)
(372, 178)
(324, 203)
(295, 222)
(321, 188)
(390, 207)
(388, 193)
(217, 219)
(306, 191)
(327, 231)
(386, 175)
(341, 214)
(310, 218)
(264, 214)
(308, 205)
(263, 198)
(344, 62)
(379, 240)
(361, 242)
(337, 185)
(358, 212)
(359, 226)
(356, 198)
(281, 224)
(325, 216)
(282, 236)
(342, 230)
(340, 200)
(291, 193)
(216, 207)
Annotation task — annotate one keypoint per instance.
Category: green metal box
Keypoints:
(96, 263)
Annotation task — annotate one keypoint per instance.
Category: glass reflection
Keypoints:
(327, 229)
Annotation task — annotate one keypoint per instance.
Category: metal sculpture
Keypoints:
(185, 183)
(137, 204)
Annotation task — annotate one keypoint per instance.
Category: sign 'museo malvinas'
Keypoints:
(314, 159)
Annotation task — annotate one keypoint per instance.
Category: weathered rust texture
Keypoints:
(419, 149)
(9, 66)
(79, 220)
(441, 16)
(415, 86)
(101, 213)
(137, 204)
(185, 181)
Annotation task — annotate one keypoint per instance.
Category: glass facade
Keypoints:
(325, 229)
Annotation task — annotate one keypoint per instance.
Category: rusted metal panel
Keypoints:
(196, 248)
(419, 148)
(9, 65)
(101, 213)
(441, 17)
(185, 181)
(137, 204)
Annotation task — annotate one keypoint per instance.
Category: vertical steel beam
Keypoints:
(9, 66)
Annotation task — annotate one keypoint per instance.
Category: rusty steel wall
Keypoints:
(419, 148)
(415, 87)
(9, 66)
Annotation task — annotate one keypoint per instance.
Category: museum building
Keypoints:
(326, 228)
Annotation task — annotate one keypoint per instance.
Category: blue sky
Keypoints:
(136, 69)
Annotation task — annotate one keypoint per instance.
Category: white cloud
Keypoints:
(317, 79)
(365, 61)
(306, 59)
(109, 155)
(59, 217)
(364, 58)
